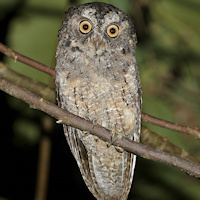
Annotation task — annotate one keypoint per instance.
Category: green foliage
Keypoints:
(123, 5)
(34, 34)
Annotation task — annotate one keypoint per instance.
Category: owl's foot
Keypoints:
(114, 138)
(119, 149)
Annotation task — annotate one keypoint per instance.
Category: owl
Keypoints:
(97, 78)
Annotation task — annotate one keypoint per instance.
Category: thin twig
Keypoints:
(145, 117)
(65, 117)
(28, 61)
(166, 124)
(30, 84)
(154, 140)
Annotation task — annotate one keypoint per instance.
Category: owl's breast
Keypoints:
(114, 106)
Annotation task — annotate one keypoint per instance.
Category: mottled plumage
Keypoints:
(97, 78)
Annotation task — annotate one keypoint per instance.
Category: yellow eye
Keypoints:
(85, 27)
(113, 31)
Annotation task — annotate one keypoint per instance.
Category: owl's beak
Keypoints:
(98, 42)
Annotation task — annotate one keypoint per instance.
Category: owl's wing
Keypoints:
(84, 161)
(81, 156)
(78, 150)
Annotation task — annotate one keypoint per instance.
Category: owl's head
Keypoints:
(98, 26)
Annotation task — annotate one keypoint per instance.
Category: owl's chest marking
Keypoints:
(109, 102)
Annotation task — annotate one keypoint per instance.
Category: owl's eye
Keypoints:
(85, 27)
(113, 31)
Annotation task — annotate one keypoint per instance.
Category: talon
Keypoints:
(59, 121)
(108, 144)
(115, 136)
(114, 140)
(119, 149)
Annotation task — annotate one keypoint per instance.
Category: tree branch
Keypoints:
(169, 125)
(154, 140)
(145, 117)
(65, 117)
(148, 137)
(30, 84)
(28, 61)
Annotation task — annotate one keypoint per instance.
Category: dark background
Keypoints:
(168, 55)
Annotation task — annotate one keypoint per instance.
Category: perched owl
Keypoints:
(97, 79)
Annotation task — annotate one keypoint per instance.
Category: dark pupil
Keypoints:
(85, 27)
(112, 30)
